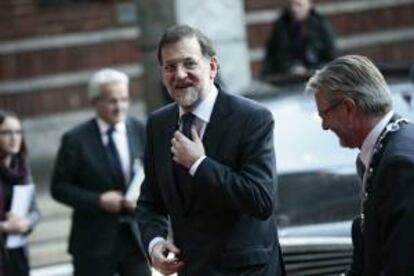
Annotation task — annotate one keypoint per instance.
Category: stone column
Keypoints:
(224, 22)
(154, 16)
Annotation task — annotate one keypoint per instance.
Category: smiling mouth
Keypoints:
(183, 86)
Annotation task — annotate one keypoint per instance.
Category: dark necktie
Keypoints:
(360, 168)
(114, 156)
(2, 204)
(182, 175)
(187, 121)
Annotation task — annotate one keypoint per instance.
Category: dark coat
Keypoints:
(10, 261)
(387, 243)
(82, 173)
(228, 229)
(318, 45)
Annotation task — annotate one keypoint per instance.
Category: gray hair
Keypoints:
(178, 32)
(355, 77)
(104, 77)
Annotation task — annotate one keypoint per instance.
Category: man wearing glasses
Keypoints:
(354, 102)
(210, 169)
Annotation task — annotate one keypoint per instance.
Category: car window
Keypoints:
(300, 143)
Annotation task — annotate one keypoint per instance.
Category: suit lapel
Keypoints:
(379, 149)
(216, 131)
(163, 136)
(101, 157)
(217, 128)
(134, 146)
(218, 125)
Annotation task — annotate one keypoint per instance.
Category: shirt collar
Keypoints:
(204, 109)
(104, 126)
(369, 142)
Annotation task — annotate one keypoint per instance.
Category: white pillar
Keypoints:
(224, 22)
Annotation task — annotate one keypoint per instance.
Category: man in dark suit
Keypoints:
(95, 164)
(210, 168)
(354, 102)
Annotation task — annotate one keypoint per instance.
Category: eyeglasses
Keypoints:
(188, 64)
(331, 108)
(10, 133)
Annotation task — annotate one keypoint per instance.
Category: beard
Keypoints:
(187, 97)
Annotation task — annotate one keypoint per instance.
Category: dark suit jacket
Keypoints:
(229, 227)
(389, 210)
(82, 173)
(317, 48)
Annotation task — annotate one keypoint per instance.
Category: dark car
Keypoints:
(318, 190)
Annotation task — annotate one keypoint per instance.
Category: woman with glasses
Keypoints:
(18, 210)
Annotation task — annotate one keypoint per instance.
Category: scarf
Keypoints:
(16, 174)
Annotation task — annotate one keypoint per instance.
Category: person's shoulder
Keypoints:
(245, 105)
(240, 100)
(317, 17)
(406, 133)
(282, 20)
(135, 122)
(77, 134)
(401, 142)
(80, 131)
(81, 128)
(284, 16)
(163, 112)
(315, 14)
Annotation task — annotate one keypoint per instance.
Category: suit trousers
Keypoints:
(125, 260)
(17, 262)
(274, 267)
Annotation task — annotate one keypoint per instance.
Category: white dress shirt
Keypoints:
(203, 113)
(121, 142)
(368, 145)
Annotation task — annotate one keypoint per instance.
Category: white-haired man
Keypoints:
(94, 166)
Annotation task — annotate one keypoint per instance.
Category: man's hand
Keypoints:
(185, 151)
(164, 258)
(112, 201)
(130, 206)
(16, 224)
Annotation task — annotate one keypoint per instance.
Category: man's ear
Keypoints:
(213, 67)
(351, 107)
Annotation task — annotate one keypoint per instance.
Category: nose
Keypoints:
(14, 137)
(324, 124)
(181, 73)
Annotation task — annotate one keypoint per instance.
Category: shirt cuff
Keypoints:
(196, 164)
(153, 242)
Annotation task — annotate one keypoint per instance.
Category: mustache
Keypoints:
(183, 84)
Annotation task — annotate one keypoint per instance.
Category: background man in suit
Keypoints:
(354, 102)
(94, 166)
(210, 167)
